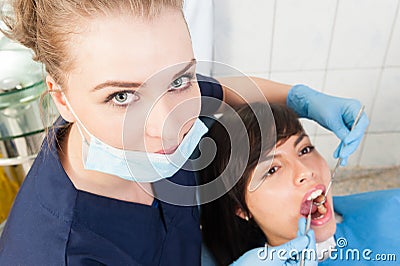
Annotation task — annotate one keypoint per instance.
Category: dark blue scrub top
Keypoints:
(53, 223)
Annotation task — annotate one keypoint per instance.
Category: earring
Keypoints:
(246, 218)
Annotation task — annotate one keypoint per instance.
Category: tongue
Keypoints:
(305, 208)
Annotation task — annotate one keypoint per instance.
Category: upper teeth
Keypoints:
(315, 194)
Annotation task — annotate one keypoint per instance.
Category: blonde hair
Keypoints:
(45, 26)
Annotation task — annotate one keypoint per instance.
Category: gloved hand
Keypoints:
(282, 255)
(333, 113)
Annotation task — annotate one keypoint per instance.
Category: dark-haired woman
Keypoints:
(275, 186)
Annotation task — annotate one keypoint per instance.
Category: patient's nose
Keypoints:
(302, 174)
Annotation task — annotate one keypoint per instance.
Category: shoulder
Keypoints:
(40, 220)
(367, 200)
(370, 219)
(211, 93)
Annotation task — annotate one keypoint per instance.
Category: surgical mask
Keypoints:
(137, 166)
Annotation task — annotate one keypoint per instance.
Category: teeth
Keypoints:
(320, 199)
(315, 194)
(321, 209)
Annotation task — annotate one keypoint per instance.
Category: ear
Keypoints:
(243, 214)
(58, 98)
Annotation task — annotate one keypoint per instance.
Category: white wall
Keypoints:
(348, 48)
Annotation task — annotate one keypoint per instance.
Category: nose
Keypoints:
(161, 124)
(303, 173)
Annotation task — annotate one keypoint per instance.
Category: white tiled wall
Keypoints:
(393, 57)
(361, 34)
(236, 27)
(347, 48)
(386, 112)
(302, 34)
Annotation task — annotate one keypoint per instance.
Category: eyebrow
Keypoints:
(186, 68)
(300, 138)
(272, 156)
(124, 84)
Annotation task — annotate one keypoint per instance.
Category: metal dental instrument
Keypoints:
(339, 160)
(308, 224)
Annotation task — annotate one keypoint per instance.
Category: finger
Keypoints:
(350, 144)
(358, 131)
(301, 226)
(297, 244)
(336, 153)
(311, 238)
(340, 129)
(348, 150)
(352, 107)
(312, 257)
(311, 262)
(339, 153)
(344, 161)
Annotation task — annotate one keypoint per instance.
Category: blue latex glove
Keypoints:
(333, 113)
(257, 256)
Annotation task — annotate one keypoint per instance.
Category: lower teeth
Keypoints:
(319, 212)
(321, 209)
(318, 216)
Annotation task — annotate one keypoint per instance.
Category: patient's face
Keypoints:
(297, 170)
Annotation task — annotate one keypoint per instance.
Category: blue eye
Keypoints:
(122, 98)
(182, 83)
(177, 83)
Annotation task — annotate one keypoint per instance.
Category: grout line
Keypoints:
(378, 87)
(330, 47)
(391, 35)
(328, 58)
(272, 39)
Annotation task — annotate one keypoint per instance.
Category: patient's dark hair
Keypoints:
(225, 234)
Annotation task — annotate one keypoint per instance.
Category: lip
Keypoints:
(172, 149)
(169, 150)
(305, 202)
(326, 217)
(305, 207)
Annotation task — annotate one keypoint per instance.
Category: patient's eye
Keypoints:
(272, 170)
(306, 150)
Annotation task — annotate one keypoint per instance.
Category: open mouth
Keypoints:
(320, 210)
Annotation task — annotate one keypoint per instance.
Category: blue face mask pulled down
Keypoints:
(138, 166)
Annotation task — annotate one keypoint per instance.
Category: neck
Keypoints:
(96, 182)
(325, 248)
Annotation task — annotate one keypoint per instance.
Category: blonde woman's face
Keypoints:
(296, 171)
(135, 77)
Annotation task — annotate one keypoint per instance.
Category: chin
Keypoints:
(324, 233)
